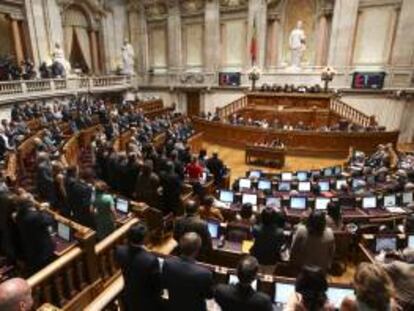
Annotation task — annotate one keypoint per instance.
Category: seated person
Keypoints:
(191, 222)
(241, 296)
(209, 212)
(246, 216)
(269, 240)
(16, 295)
(310, 291)
(313, 244)
(188, 284)
(373, 290)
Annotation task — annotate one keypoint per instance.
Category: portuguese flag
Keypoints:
(253, 44)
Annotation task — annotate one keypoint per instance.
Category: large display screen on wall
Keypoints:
(229, 78)
(368, 80)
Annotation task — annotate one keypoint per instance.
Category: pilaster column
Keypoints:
(343, 32)
(404, 40)
(174, 36)
(321, 40)
(17, 39)
(94, 50)
(272, 41)
(212, 36)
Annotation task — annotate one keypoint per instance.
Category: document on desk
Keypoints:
(246, 246)
(396, 210)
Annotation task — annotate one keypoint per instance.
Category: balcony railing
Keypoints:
(22, 89)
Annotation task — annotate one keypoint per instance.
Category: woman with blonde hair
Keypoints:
(374, 290)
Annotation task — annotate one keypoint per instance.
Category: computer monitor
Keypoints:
(122, 206)
(390, 200)
(283, 291)
(337, 170)
(287, 176)
(214, 229)
(245, 183)
(356, 182)
(304, 186)
(284, 186)
(302, 176)
(340, 183)
(264, 185)
(255, 174)
(226, 196)
(369, 202)
(233, 280)
(407, 197)
(324, 185)
(298, 203)
(337, 294)
(328, 172)
(410, 241)
(63, 231)
(315, 173)
(322, 203)
(385, 244)
(273, 202)
(249, 198)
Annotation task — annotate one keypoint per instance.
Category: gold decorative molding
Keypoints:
(191, 6)
(233, 4)
(156, 9)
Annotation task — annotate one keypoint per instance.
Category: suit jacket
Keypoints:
(141, 272)
(172, 186)
(267, 244)
(188, 284)
(237, 298)
(37, 244)
(216, 167)
(79, 199)
(45, 183)
(194, 224)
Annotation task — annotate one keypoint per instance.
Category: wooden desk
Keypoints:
(265, 153)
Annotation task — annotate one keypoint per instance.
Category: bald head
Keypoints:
(15, 295)
(190, 244)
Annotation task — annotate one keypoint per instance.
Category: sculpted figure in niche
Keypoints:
(128, 55)
(297, 44)
(60, 66)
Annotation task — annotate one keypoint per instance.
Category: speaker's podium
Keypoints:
(262, 154)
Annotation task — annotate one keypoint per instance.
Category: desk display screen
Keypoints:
(356, 182)
(390, 200)
(407, 197)
(213, 228)
(298, 203)
(302, 176)
(369, 202)
(287, 176)
(324, 186)
(245, 183)
(284, 186)
(255, 174)
(283, 291)
(336, 295)
(368, 80)
(233, 280)
(337, 170)
(249, 198)
(322, 203)
(264, 185)
(273, 202)
(304, 186)
(328, 172)
(340, 183)
(226, 196)
(122, 205)
(385, 244)
(63, 231)
(411, 241)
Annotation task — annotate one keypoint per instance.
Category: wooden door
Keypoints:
(193, 103)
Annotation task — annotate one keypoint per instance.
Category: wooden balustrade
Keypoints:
(38, 85)
(196, 142)
(346, 111)
(231, 108)
(150, 105)
(110, 298)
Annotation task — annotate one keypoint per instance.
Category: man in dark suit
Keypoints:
(216, 167)
(141, 272)
(35, 239)
(171, 189)
(192, 222)
(241, 296)
(188, 284)
(44, 179)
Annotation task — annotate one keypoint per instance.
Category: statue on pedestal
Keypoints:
(59, 66)
(128, 55)
(297, 45)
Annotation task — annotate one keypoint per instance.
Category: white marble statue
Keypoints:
(128, 55)
(297, 45)
(59, 57)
